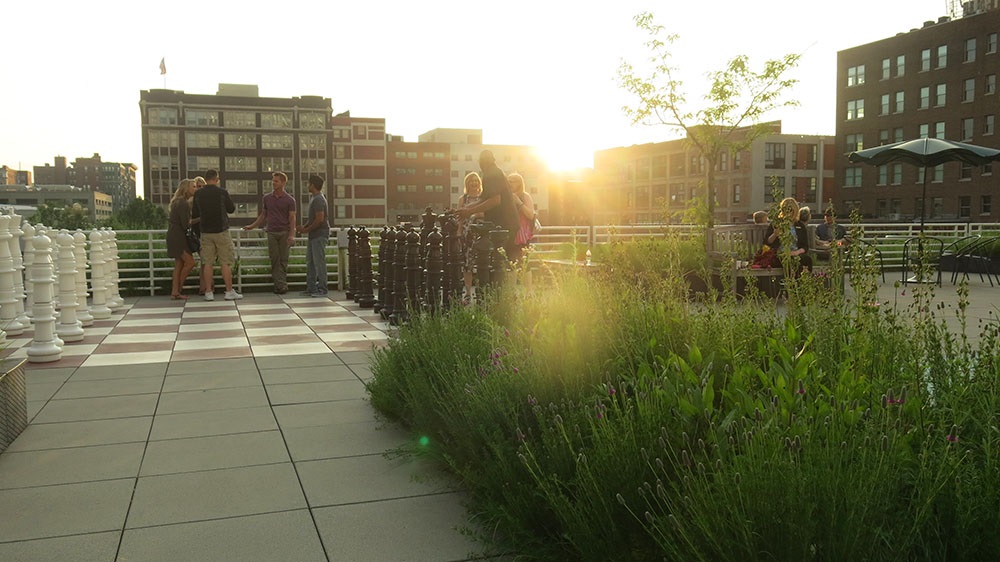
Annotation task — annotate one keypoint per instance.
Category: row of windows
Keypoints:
(412, 155)
(968, 126)
(893, 208)
(410, 188)
(169, 139)
(970, 47)
(896, 102)
(236, 119)
(892, 174)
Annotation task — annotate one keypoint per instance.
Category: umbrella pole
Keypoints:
(923, 199)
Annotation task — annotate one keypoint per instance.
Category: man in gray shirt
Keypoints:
(318, 227)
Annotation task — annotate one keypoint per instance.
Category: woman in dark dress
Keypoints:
(177, 248)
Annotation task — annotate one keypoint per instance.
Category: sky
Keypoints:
(526, 72)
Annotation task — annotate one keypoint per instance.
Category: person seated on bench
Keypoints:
(788, 214)
(830, 233)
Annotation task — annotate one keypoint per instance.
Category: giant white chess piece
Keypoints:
(98, 286)
(80, 249)
(29, 254)
(15, 252)
(69, 327)
(45, 346)
(114, 293)
(8, 302)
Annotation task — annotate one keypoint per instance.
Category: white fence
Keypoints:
(145, 268)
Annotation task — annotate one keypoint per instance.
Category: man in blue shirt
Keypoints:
(318, 227)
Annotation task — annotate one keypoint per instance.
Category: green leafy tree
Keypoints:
(70, 217)
(730, 119)
(139, 215)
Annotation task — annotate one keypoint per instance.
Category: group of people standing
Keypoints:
(500, 199)
(202, 205)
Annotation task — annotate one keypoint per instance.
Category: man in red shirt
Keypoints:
(277, 214)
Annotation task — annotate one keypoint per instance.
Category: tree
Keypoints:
(736, 102)
(68, 217)
(139, 214)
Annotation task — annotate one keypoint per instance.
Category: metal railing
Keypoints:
(145, 268)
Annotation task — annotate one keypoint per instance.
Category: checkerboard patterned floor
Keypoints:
(157, 329)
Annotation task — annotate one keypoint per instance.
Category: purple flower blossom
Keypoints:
(952, 438)
(506, 333)
(802, 388)
(516, 371)
(532, 401)
(611, 390)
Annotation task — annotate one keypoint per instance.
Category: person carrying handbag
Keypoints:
(525, 210)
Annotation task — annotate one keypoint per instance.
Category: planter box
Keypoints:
(13, 403)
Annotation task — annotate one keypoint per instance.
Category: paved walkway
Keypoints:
(219, 431)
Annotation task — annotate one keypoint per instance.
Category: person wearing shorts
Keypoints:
(213, 205)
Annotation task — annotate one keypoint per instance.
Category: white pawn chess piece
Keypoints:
(98, 286)
(8, 301)
(45, 346)
(29, 256)
(15, 252)
(80, 249)
(110, 264)
(69, 327)
(115, 289)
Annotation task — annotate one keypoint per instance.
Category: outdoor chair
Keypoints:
(975, 258)
(869, 249)
(949, 255)
(919, 249)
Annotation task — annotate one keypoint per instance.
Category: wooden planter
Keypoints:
(13, 402)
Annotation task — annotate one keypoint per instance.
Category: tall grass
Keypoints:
(614, 418)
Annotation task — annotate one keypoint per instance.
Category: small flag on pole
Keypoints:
(163, 65)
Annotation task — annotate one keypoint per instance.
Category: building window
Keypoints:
(341, 133)
(991, 84)
(241, 164)
(939, 130)
(937, 207)
(969, 89)
(885, 105)
(201, 140)
(967, 127)
(774, 188)
(194, 118)
(737, 193)
(886, 66)
(925, 131)
(966, 172)
(925, 97)
(164, 139)
(852, 176)
(883, 175)
(925, 60)
(855, 142)
(883, 136)
(312, 142)
(660, 166)
(970, 49)
(940, 93)
(897, 174)
(988, 124)
(162, 116)
(985, 204)
(276, 120)
(900, 65)
(899, 102)
(239, 119)
(244, 187)
(241, 140)
(341, 211)
(804, 156)
(880, 208)
(942, 56)
(855, 109)
(856, 75)
(312, 120)
(340, 171)
(199, 164)
(276, 142)
(991, 43)
(897, 134)
(738, 161)
(774, 155)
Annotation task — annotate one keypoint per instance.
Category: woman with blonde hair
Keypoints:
(178, 223)
(471, 196)
(199, 182)
(789, 217)
(525, 212)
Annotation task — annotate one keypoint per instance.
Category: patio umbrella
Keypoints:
(928, 153)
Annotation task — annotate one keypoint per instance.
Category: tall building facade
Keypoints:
(244, 136)
(656, 182)
(417, 177)
(90, 173)
(939, 80)
(359, 171)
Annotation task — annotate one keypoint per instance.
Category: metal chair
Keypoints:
(870, 250)
(975, 258)
(917, 250)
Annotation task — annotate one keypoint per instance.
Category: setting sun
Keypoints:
(565, 157)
